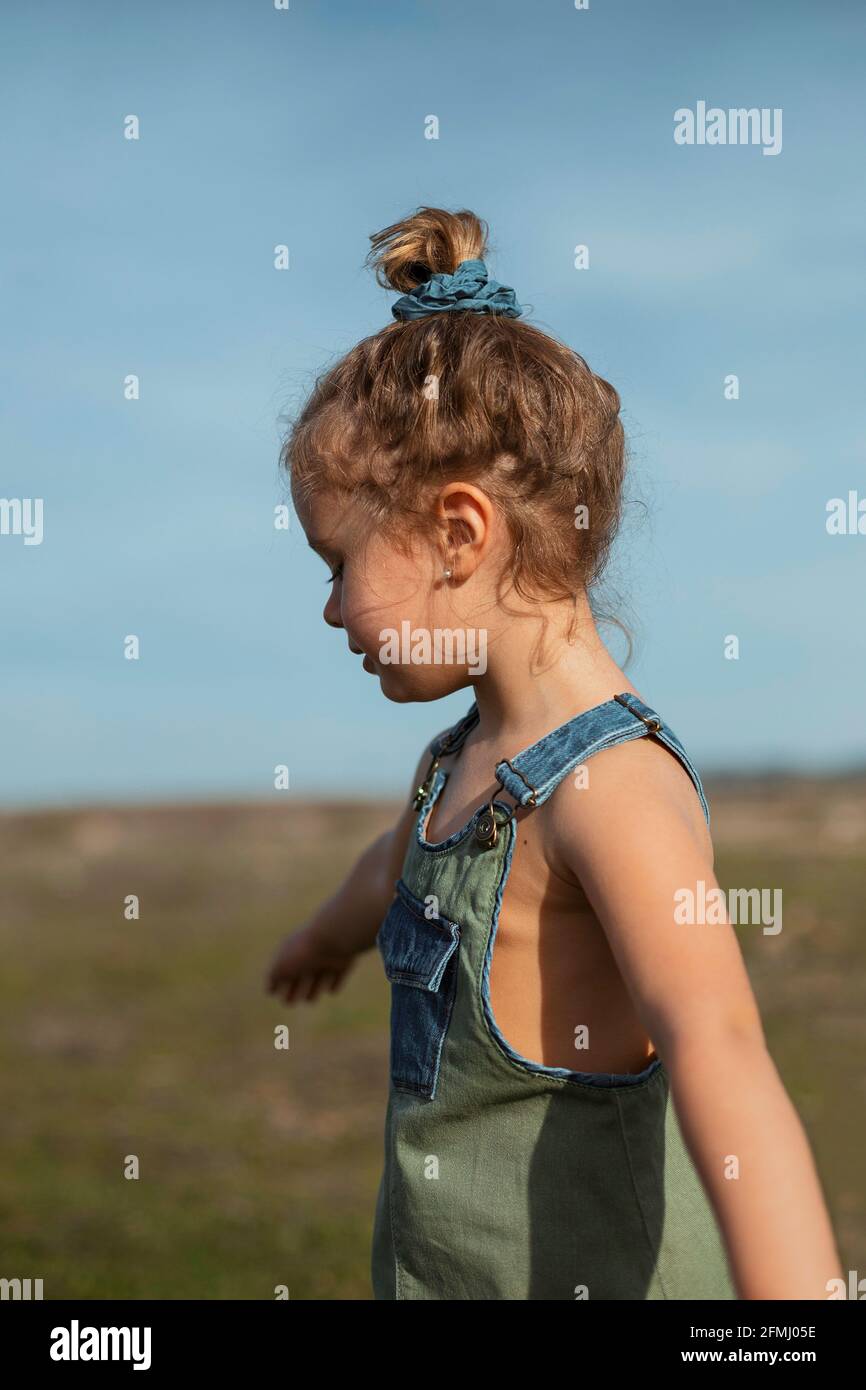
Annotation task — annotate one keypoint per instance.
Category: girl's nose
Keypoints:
(331, 612)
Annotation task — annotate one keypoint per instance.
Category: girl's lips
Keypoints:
(367, 664)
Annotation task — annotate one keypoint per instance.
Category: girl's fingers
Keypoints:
(290, 989)
(326, 980)
(313, 986)
(306, 985)
(276, 977)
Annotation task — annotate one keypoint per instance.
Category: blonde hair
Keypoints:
(468, 396)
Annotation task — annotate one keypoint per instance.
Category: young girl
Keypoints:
(581, 1100)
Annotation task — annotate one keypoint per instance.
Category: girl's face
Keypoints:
(376, 591)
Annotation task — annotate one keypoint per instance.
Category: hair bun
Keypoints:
(430, 241)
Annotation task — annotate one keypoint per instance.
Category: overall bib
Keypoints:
(505, 1178)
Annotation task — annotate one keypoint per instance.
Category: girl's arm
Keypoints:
(318, 954)
(634, 838)
(352, 917)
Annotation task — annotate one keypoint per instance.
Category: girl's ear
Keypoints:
(465, 515)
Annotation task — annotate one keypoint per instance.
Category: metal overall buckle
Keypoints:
(487, 827)
(427, 785)
(652, 724)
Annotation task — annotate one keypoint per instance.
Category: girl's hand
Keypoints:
(305, 964)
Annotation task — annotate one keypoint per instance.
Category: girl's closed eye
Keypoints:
(335, 574)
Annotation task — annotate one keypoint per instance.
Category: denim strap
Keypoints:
(453, 739)
(534, 774)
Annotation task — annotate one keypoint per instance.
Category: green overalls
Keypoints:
(505, 1178)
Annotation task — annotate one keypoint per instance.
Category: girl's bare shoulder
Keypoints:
(639, 787)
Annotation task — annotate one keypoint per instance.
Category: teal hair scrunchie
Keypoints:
(468, 288)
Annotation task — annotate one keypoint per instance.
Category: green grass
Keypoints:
(155, 1038)
(258, 1167)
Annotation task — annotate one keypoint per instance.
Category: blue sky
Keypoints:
(306, 127)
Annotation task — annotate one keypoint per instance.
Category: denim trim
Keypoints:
(547, 751)
(419, 907)
(516, 786)
(458, 732)
(447, 936)
(443, 846)
(450, 938)
(668, 737)
(609, 739)
(612, 1080)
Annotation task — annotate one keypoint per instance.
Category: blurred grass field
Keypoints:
(259, 1167)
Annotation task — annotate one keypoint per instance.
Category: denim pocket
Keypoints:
(420, 958)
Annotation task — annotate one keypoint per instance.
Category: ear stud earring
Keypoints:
(446, 574)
